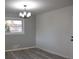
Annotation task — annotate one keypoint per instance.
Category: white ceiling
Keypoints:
(42, 6)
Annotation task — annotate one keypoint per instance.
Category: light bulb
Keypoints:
(24, 13)
(28, 14)
(21, 15)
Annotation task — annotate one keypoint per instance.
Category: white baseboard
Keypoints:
(54, 53)
(18, 49)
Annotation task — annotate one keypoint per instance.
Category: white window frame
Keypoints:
(9, 33)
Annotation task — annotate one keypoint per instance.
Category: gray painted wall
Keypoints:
(22, 40)
(54, 30)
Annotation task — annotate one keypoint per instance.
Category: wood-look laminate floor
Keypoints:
(33, 53)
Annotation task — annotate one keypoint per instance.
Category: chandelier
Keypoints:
(25, 13)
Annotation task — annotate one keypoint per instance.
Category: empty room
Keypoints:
(38, 29)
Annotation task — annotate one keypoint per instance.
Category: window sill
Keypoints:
(14, 33)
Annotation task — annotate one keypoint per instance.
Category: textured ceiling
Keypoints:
(43, 6)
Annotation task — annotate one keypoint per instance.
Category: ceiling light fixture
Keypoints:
(25, 13)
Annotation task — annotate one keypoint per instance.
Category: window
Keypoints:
(13, 26)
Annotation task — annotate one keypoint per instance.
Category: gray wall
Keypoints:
(14, 41)
(54, 30)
